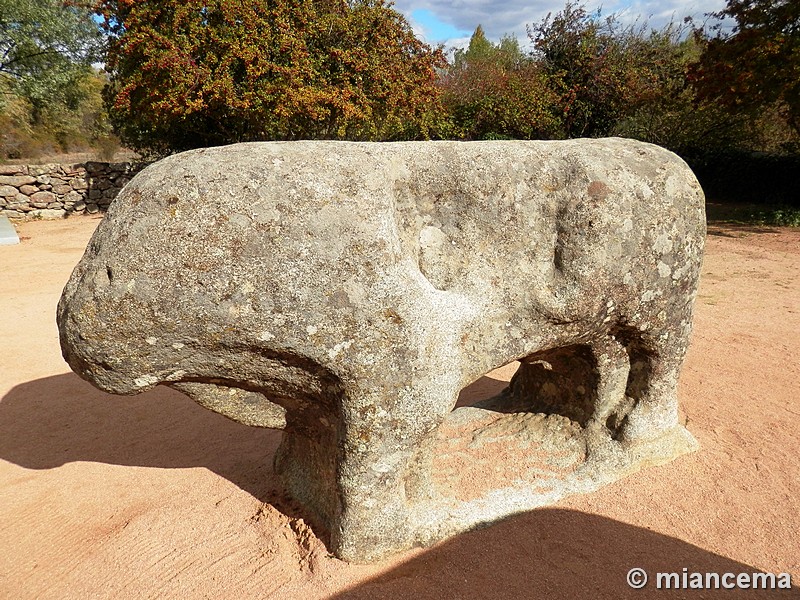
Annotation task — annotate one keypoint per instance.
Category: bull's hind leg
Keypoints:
(585, 383)
(613, 367)
(652, 389)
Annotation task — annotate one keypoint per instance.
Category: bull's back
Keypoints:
(311, 245)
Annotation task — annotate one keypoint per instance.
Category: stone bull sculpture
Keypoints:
(347, 293)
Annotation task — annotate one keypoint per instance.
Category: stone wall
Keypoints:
(56, 190)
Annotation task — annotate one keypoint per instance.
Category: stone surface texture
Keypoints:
(347, 292)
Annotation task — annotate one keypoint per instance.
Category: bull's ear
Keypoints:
(243, 406)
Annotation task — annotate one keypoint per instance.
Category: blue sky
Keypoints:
(452, 22)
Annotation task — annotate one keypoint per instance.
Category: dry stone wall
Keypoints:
(53, 191)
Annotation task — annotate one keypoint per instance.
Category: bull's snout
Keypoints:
(87, 307)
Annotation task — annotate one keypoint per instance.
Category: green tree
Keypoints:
(186, 73)
(27, 132)
(665, 110)
(756, 65)
(630, 80)
(496, 91)
(46, 47)
(587, 67)
(479, 46)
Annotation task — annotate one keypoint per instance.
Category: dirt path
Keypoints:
(154, 497)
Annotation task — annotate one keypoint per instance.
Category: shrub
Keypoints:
(186, 74)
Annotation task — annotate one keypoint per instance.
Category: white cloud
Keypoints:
(512, 16)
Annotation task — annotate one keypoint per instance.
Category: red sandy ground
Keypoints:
(155, 497)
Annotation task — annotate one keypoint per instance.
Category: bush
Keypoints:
(186, 74)
(77, 123)
(496, 92)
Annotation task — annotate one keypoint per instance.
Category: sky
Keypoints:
(452, 22)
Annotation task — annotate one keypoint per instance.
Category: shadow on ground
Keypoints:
(61, 419)
(554, 554)
(543, 554)
(738, 231)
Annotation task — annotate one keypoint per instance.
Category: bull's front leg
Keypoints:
(378, 468)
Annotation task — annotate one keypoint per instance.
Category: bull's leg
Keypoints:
(613, 367)
(306, 464)
(653, 388)
(352, 480)
(585, 383)
(378, 464)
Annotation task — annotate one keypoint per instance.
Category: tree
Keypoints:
(77, 124)
(479, 46)
(613, 78)
(46, 47)
(496, 91)
(587, 67)
(756, 65)
(186, 73)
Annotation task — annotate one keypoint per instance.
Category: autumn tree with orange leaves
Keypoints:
(754, 66)
(187, 74)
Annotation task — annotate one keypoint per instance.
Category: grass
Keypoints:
(750, 214)
(786, 216)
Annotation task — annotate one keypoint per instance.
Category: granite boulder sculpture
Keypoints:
(347, 292)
